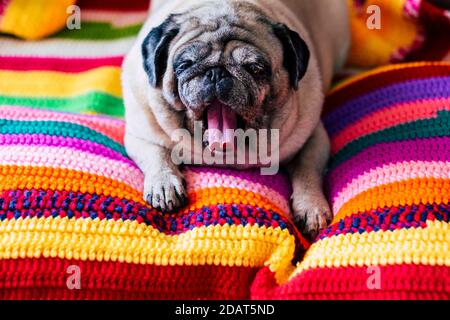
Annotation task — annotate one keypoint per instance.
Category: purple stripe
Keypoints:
(432, 149)
(413, 90)
(57, 141)
(279, 182)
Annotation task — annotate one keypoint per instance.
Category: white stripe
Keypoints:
(117, 19)
(65, 48)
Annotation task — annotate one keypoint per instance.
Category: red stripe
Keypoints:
(381, 80)
(115, 5)
(57, 64)
(46, 278)
(397, 282)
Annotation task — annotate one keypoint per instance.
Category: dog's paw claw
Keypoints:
(165, 191)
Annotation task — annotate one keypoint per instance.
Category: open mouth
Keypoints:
(221, 123)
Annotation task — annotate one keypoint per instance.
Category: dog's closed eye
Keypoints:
(182, 66)
(258, 70)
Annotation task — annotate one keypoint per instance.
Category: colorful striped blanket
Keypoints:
(71, 203)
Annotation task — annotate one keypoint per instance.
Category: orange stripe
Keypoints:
(29, 177)
(407, 192)
(209, 196)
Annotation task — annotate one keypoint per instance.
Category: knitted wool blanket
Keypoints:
(70, 198)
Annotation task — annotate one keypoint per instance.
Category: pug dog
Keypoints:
(262, 64)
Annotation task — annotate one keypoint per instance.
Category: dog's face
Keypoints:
(230, 58)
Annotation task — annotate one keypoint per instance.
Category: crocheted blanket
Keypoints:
(73, 223)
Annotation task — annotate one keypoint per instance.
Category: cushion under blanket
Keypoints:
(71, 200)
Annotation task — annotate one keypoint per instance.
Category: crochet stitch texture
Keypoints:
(69, 195)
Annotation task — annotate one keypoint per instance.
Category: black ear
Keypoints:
(155, 49)
(296, 52)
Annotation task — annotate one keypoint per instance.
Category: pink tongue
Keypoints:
(221, 125)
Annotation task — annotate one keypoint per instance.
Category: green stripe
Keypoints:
(92, 102)
(99, 31)
(58, 128)
(420, 129)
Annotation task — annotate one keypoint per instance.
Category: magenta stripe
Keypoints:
(279, 182)
(3, 5)
(58, 141)
(434, 149)
(70, 65)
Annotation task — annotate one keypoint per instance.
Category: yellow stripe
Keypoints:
(60, 84)
(381, 70)
(132, 242)
(427, 246)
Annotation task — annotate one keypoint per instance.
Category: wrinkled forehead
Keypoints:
(213, 15)
(238, 33)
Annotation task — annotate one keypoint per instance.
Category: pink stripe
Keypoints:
(58, 141)
(71, 65)
(279, 182)
(198, 181)
(428, 149)
(382, 119)
(67, 158)
(118, 19)
(111, 127)
(389, 174)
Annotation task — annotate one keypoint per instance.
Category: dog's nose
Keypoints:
(216, 74)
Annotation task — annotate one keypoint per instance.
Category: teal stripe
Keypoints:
(58, 128)
(92, 102)
(420, 129)
(99, 31)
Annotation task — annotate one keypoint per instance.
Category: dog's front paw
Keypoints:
(165, 190)
(311, 213)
